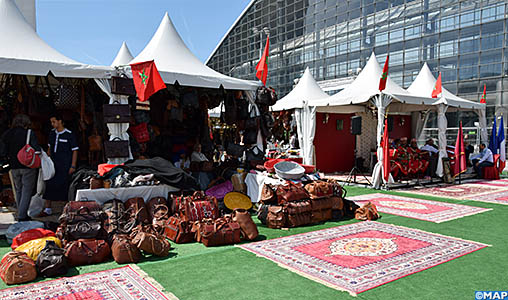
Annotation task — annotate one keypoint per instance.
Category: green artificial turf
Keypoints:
(196, 272)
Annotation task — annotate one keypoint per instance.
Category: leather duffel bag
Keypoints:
(124, 251)
(159, 212)
(321, 215)
(276, 217)
(96, 183)
(218, 232)
(247, 225)
(75, 211)
(151, 242)
(52, 262)
(117, 221)
(17, 267)
(83, 230)
(319, 189)
(367, 212)
(137, 210)
(200, 206)
(87, 252)
(291, 192)
(178, 230)
(268, 195)
(298, 213)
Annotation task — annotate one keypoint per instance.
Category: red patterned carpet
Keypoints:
(456, 191)
(432, 211)
(124, 283)
(361, 256)
(500, 197)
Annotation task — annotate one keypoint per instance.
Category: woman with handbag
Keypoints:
(24, 177)
(63, 150)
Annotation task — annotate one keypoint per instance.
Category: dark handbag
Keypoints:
(235, 150)
(222, 231)
(83, 230)
(252, 123)
(95, 143)
(124, 251)
(178, 230)
(122, 86)
(87, 252)
(116, 148)
(230, 110)
(17, 267)
(51, 261)
(151, 243)
(255, 154)
(116, 113)
(137, 210)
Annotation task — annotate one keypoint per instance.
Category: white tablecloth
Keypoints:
(255, 184)
(124, 194)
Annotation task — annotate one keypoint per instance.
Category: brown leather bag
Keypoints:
(298, 213)
(75, 211)
(276, 217)
(319, 189)
(178, 230)
(151, 242)
(367, 212)
(87, 252)
(95, 142)
(17, 267)
(291, 192)
(137, 210)
(322, 203)
(124, 251)
(268, 195)
(218, 232)
(322, 215)
(247, 225)
(96, 183)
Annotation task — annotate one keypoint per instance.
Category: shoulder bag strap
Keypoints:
(28, 136)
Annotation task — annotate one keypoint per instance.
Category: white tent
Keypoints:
(306, 91)
(422, 86)
(124, 56)
(23, 52)
(176, 62)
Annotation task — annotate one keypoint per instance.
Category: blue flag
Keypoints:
(493, 145)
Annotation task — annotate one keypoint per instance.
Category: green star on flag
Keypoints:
(143, 76)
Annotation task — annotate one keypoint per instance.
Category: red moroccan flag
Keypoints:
(386, 153)
(147, 79)
(384, 76)
(437, 88)
(484, 94)
(262, 66)
(460, 154)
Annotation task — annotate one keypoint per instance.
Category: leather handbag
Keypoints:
(76, 211)
(291, 192)
(178, 230)
(250, 137)
(298, 213)
(159, 213)
(266, 96)
(367, 212)
(122, 86)
(247, 225)
(68, 97)
(137, 210)
(268, 195)
(338, 208)
(218, 232)
(17, 267)
(151, 243)
(116, 113)
(140, 133)
(52, 262)
(83, 230)
(319, 189)
(87, 252)
(276, 217)
(116, 148)
(200, 206)
(124, 251)
(117, 220)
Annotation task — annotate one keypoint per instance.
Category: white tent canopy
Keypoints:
(124, 56)
(23, 52)
(176, 62)
(306, 91)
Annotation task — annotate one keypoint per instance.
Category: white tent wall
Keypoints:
(306, 126)
(367, 140)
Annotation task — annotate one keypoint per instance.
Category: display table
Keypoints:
(125, 193)
(255, 184)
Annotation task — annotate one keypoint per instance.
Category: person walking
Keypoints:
(24, 178)
(63, 150)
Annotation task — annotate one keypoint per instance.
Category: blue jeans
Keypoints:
(24, 182)
(479, 169)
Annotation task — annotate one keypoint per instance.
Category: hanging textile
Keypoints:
(306, 128)
(442, 124)
(482, 120)
(381, 101)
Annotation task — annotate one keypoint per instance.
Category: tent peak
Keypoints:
(123, 57)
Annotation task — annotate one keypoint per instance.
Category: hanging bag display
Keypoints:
(116, 112)
(116, 148)
(140, 132)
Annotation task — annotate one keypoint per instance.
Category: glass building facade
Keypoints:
(467, 41)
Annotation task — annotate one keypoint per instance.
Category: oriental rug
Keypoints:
(498, 182)
(500, 197)
(455, 191)
(361, 256)
(432, 211)
(127, 282)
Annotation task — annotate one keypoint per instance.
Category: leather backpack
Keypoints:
(124, 251)
(137, 210)
(87, 252)
(247, 225)
(17, 267)
(52, 262)
(276, 217)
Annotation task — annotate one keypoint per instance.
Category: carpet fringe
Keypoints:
(153, 282)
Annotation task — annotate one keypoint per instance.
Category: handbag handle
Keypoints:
(28, 137)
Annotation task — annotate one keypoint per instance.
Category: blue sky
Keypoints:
(92, 31)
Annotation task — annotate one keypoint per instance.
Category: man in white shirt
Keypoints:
(482, 160)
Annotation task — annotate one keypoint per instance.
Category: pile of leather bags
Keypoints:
(295, 204)
(197, 218)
